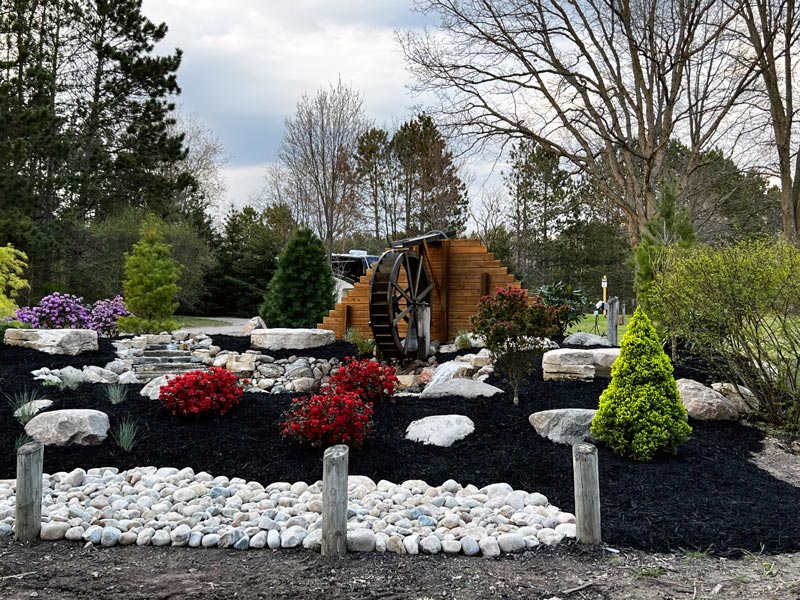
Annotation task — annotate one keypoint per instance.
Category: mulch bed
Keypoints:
(708, 496)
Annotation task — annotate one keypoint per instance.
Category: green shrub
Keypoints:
(13, 263)
(514, 327)
(300, 293)
(738, 307)
(641, 413)
(151, 277)
(560, 294)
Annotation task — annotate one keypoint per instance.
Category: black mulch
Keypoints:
(708, 496)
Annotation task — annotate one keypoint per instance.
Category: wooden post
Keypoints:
(348, 318)
(587, 493)
(334, 501)
(28, 520)
(613, 312)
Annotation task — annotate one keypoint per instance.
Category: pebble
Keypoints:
(167, 506)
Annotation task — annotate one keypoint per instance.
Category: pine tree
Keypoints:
(301, 292)
(640, 412)
(151, 277)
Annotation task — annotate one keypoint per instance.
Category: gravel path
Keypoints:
(234, 327)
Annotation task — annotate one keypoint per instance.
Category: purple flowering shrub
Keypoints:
(65, 311)
(105, 314)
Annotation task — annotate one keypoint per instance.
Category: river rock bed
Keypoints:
(172, 507)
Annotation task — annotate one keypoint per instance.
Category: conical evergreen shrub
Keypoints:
(641, 413)
(300, 293)
(151, 283)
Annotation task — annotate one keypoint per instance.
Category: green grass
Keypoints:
(200, 322)
(586, 324)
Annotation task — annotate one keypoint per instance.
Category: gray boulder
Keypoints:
(704, 403)
(586, 340)
(576, 364)
(465, 388)
(440, 430)
(94, 374)
(53, 341)
(564, 425)
(73, 426)
(742, 398)
(253, 324)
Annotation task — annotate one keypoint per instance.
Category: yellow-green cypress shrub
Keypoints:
(641, 413)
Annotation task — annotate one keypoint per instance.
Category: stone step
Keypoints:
(166, 353)
(162, 360)
(167, 367)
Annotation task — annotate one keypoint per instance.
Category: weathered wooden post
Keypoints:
(587, 493)
(334, 501)
(28, 520)
(613, 313)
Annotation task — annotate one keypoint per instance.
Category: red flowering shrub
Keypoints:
(332, 417)
(198, 392)
(371, 380)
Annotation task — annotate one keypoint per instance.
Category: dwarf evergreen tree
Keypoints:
(641, 413)
(301, 292)
(151, 277)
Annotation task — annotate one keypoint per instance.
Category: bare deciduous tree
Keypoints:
(772, 28)
(317, 145)
(602, 83)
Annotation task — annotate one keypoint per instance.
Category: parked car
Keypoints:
(351, 266)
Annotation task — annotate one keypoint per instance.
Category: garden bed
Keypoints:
(708, 496)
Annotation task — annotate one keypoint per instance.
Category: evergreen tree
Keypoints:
(151, 283)
(640, 412)
(669, 226)
(300, 293)
(247, 253)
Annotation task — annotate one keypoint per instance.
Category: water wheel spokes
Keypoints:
(400, 300)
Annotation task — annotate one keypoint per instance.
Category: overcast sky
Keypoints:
(246, 63)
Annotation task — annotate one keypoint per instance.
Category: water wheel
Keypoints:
(400, 305)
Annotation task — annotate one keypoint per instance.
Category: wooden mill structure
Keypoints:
(421, 289)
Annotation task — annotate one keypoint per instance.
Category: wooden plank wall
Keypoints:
(464, 269)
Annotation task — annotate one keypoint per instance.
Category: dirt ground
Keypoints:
(67, 571)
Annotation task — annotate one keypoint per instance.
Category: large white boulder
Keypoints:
(291, 339)
(53, 341)
(704, 403)
(465, 388)
(73, 426)
(563, 425)
(440, 430)
(583, 365)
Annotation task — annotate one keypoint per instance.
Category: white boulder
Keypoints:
(74, 426)
(465, 388)
(53, 341)
(153, 387)
(253, 324)
(440, 430)
(740, 396)
(284, 338)
(586, 340)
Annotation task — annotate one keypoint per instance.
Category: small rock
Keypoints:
(489, 547)
(54, 531)
(430, 545)
(360, 540)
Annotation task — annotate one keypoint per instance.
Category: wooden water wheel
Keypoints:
(400, 299)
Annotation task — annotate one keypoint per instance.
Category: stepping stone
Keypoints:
(440, 430)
